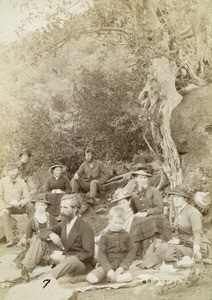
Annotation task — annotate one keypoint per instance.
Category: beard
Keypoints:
(67, 218)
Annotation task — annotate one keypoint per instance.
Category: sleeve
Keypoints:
(102, 257)
(195, 219)
(80, 171)
(1, 195)
(105, 175)
(68, 186)
(25, 194)
(133, 206)
(157, 203)
(87, 252)
(47, 186)
(29, 229)
(125, 264)
(45, 233)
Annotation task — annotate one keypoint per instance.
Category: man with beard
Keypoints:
(90, 176)
(14, 199)
(70, 243)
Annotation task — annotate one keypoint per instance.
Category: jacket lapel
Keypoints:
(68, 241)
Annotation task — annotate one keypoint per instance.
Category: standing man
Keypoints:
(14, 199)
(73, 237)
(90, 176)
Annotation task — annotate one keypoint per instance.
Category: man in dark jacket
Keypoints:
(90, 176)
(73, 237)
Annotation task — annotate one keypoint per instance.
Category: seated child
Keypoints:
(116, 251)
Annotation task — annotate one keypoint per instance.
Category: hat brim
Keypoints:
(42, 201)
(57, 166)
(28, 153)
(171, 193)
(199, 203)
(122, 198)
(136, 173)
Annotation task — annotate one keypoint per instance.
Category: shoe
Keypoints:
(18, 278)
(11, 243)
(91, 201)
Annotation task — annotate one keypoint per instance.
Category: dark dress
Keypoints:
(52, 183)
(155, 224)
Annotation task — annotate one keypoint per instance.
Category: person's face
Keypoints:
(57, 171)
(13, 173)
(40, 207)
(142, 180)
(24, 157)
(178, 200)
(124, 204)
(88, 156)
(116, 224)
(68, 209)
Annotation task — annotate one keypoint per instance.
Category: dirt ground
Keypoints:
(200, 291)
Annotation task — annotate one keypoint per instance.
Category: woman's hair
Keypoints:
(117, 212)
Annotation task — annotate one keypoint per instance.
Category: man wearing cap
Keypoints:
(73, 237)
(14, 199)
(26, 167)
(90, 176)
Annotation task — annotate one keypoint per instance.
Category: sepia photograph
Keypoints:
(105, 149)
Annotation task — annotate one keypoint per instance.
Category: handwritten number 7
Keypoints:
(47, 282)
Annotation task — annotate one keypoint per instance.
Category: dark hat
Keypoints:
(141, 172)
(25, 151)
(76, 199)
(181, 192)
(57, 166)
(12, 166)
(41, 198)
(123, 197)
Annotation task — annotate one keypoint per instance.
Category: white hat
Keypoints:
(141, 172)
(202, 199)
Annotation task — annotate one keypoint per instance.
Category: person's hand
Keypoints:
(76, 176)
(96, 181)
(141, 214)
(58, 191)
(111, 276)
(53, 191)
(196, 253)
(174, 241)
(119, 271)
(23, 202)
(55, 239)
(15, 203)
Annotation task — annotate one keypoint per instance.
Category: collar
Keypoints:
(13, 181)
(181, 208)
(56, 177)
(72, 221)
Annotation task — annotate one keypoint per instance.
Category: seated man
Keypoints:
(14, 199)
(90, 176)
(73, 237)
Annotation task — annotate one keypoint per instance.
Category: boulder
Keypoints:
(191, 128)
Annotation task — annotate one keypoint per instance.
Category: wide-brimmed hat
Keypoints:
(141, 172)
(76, 198)
(41, 198)
(181, 192)
(25, 151)
(121, 198)
(57, 166)
(202, 199)
(12, 166)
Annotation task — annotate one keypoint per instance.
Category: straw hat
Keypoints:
(202, 199)
(141, 172)
(57, 166)
(121, 198)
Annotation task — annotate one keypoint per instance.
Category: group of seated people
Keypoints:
(137, 226)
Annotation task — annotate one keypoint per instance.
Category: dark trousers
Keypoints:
(91, 186)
